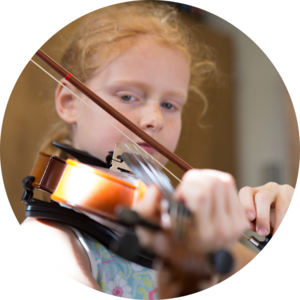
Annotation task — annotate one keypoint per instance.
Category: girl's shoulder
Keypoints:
(60, 248)
(48, 233)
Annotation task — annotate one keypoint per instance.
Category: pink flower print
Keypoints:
(118, 287)
(117, 291)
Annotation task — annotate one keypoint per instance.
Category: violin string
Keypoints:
(155, 174)
(151, 174)
(247, 237)
(150, 159)
(104, 119)
(161, 177)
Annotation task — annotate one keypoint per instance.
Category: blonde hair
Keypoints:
(108, 32)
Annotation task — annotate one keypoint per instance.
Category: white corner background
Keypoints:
(272, 25)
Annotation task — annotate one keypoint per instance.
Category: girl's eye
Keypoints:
(127, 98)
(168, 106)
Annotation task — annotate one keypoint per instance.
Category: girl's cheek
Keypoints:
(174, 128)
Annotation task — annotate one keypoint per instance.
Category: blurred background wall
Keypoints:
(250, 129)
(266, 138)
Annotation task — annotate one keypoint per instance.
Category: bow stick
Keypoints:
(114, 113)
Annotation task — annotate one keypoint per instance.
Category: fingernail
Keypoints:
(250, 215)
(263, 231)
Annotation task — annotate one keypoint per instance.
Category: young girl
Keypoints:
(139, 57)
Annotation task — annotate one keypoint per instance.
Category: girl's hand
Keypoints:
(212, 197)
(218, 222)
(218, 216)
(266, 206)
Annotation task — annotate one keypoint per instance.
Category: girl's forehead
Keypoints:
(147, 52)
(134, 56)
(151, 61)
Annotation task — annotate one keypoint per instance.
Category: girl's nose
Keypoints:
(152, 118)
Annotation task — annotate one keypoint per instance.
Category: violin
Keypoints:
(83, 187)
(97, 193)
(92, 192)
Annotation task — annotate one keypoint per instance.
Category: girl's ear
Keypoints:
(65, 103)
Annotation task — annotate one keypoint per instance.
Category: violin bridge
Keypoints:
(117, 163)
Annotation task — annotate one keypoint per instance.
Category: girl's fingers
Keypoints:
(269, 203)
(272, 218)
(203, 216)
(251, 226)
(246, 196)
(282, 204)
(237, 212)
(220, 216)
(280, 211)
(199, 201)
(148, 207)
(230, 216)
(256, 203)
(263, 201)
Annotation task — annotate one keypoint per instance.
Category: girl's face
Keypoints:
(148, 84)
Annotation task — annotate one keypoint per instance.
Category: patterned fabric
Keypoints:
(120, 277)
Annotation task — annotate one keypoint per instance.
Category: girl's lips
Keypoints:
(147, 147)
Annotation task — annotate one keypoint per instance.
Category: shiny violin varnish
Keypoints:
(95, 190)
(87, 188)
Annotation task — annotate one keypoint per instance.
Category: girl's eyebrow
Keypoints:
(145, 86)
(138, 84)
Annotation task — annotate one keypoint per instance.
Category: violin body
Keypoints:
(85, 188)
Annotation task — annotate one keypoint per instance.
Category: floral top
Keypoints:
(117, 276)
